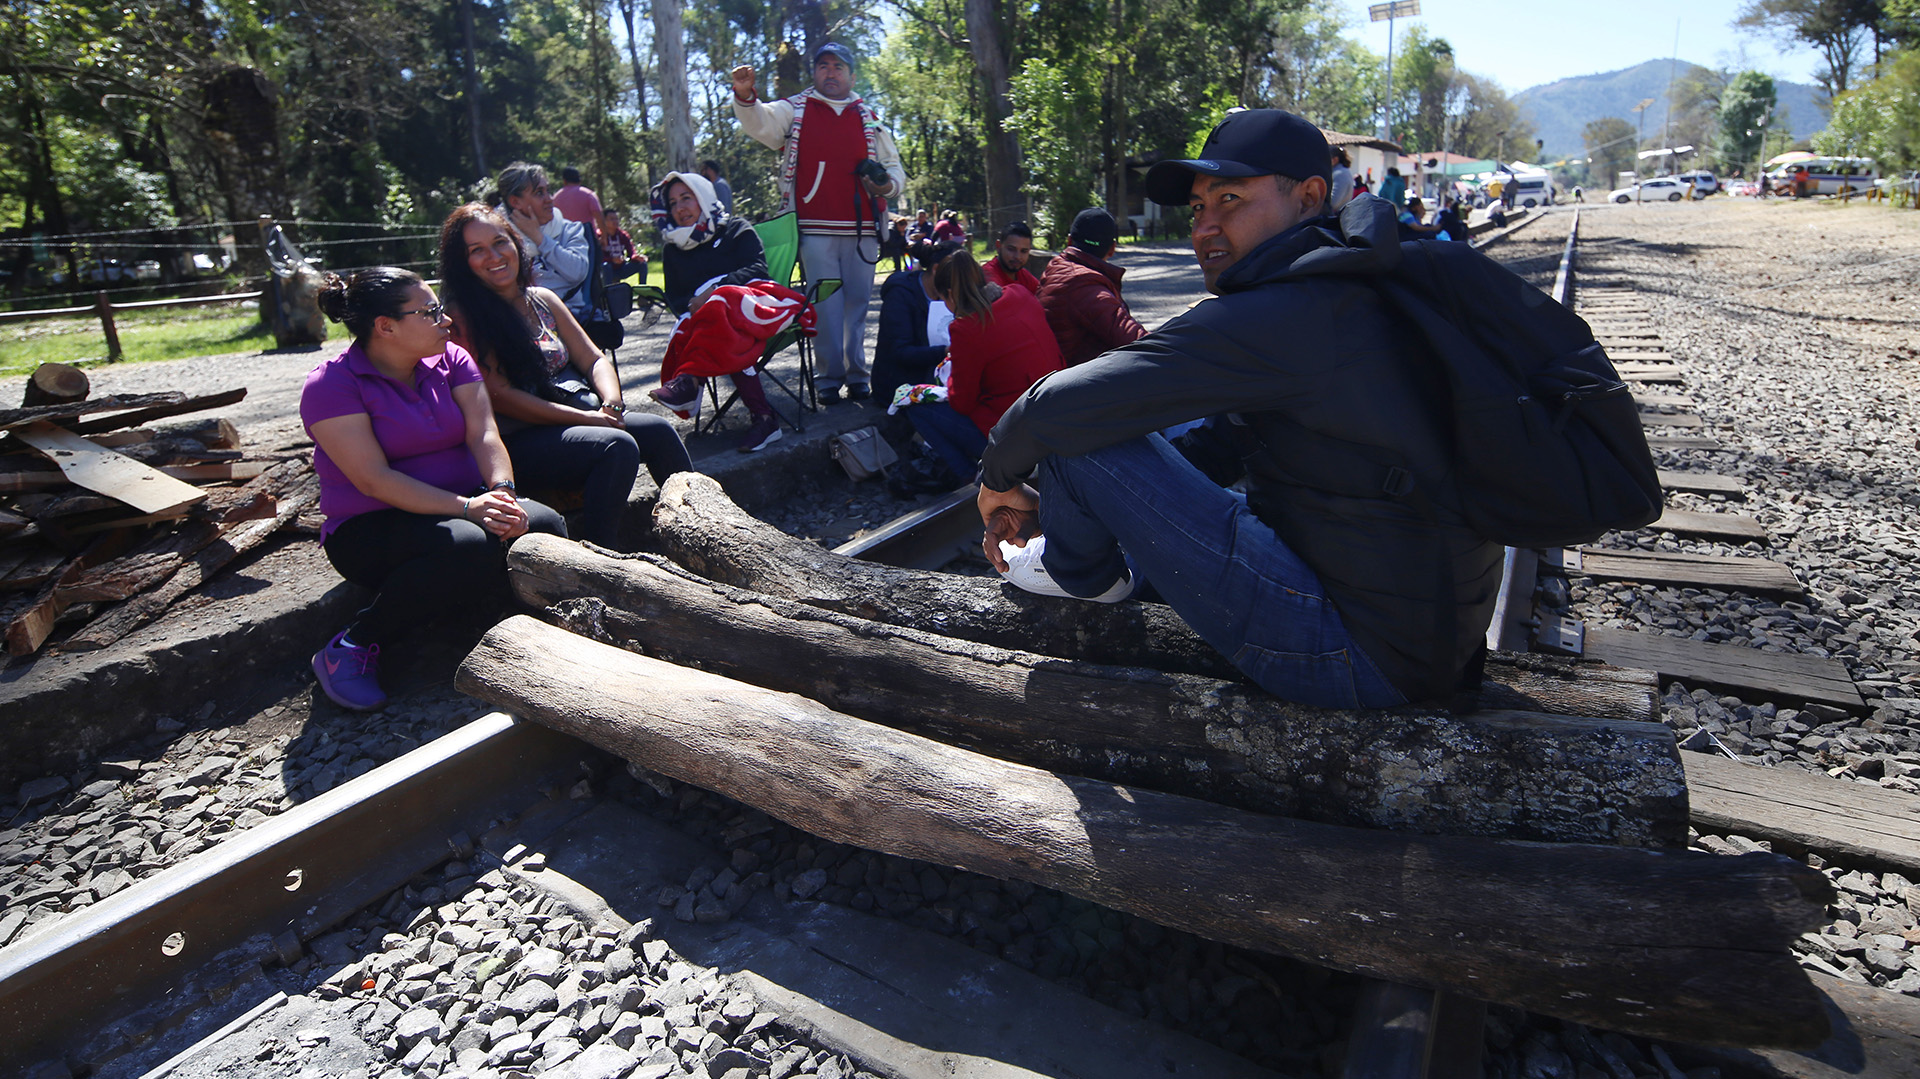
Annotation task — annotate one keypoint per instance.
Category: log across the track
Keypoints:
(1666, 944)
(1510, 774)
(697, 526)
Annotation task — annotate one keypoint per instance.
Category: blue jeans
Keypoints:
(1140, 505)
(951, 436)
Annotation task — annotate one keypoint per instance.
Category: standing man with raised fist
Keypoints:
(837, 169)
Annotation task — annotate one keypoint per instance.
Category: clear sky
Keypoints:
(1526, 45)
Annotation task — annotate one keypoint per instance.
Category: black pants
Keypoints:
(599, 462)
(423, 568)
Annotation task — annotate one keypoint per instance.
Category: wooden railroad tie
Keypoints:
(1856, 824)
(1733, 526)
(1759, 576)
(1784, 676)
(1683, 442)
(1705, 483)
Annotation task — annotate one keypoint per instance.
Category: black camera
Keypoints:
(873, 172)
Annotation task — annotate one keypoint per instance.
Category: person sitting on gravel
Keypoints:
(703, 249)
(1081, 291)
(415, 483)
(1322, 590)
(1000, 348)
(557, 395)
(913, 334)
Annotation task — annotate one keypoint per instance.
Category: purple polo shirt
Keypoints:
(419, 427)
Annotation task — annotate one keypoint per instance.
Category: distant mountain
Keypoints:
(1560, 110)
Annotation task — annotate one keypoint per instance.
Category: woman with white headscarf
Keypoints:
(704, 248)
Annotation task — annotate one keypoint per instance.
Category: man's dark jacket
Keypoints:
(1298, 348)
(901, 354)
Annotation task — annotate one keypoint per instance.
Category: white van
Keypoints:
(1530, 190)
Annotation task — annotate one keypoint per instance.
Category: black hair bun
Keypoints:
(333, 297)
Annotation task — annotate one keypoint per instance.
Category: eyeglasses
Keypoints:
(434, 312)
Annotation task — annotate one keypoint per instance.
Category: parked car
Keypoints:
(148, 270)
(1704, 182)
(1658, 189)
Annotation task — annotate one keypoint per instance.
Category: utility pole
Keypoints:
(1398, 9)
(1673, 66)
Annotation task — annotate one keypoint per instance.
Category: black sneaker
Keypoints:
(829, 396)
(859, 393)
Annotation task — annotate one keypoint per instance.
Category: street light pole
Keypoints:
(1397, 9)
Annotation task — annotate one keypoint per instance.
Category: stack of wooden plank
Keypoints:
(108, 515)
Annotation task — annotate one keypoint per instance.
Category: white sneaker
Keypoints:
(1026, 572)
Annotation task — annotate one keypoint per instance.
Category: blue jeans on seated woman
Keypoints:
(1139, 504)
(951, 436)
(599, 462)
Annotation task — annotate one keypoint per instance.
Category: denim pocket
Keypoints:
(1324, 680)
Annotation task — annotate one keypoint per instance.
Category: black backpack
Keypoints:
(1548, 449)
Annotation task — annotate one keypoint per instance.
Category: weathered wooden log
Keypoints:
(55, 384)
(144, 402)
(213, 432)
(698, 526)
(179, 406)
(1519, 775)
(1666, 944)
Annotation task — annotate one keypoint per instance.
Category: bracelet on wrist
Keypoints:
(465, 504)
(504, 485)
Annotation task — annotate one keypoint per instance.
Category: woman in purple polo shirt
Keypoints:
(415, 484)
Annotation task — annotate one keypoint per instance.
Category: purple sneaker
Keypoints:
(680, 394)
(349, 674)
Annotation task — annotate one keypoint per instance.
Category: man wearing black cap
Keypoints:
(830, 141)
(1327, 584)
(1081, 291)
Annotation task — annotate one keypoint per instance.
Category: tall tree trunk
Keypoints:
(1003, 150)
(669, 44)
(474, 126)
(639, 87)
(243, 123)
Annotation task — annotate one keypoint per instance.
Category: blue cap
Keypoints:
(1251, 142)
(834, 48)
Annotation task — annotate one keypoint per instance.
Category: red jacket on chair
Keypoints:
(730, 331)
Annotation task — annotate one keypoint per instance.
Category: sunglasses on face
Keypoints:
(434, 312)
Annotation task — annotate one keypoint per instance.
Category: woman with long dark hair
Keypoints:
(1000, 346)
(558, 397)
(417, 489)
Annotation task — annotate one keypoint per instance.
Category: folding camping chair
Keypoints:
(780, 238)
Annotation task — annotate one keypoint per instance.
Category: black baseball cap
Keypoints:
(1251, 142)
(1094, 227)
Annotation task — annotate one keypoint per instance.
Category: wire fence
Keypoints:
(44, 272)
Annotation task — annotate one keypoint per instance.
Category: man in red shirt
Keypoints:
(1008, 266)
(1081, 291)
(577, 203)
(838, 167)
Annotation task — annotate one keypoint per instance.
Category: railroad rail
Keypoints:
(118, 981)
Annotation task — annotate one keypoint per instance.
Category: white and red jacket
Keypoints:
(730, 331)
(820, 141)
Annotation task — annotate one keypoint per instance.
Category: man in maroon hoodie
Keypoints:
(1081, 291)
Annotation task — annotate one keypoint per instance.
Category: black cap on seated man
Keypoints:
(1321, 590)
(1080, 291)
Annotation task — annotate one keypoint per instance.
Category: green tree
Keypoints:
(1746, 108)
(1880, 120)
(1838, 29)
(1610, 146)
(1316, 70)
